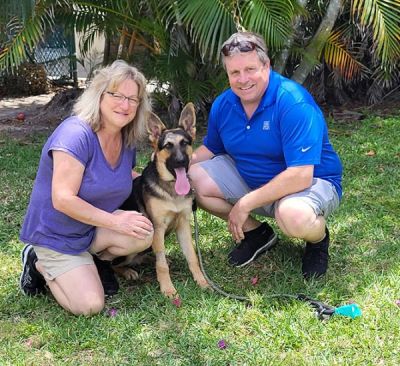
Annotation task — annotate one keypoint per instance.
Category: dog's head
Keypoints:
(173, 147)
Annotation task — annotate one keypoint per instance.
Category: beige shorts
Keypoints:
(56, 264)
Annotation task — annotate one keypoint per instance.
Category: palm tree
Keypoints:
(353, 41)
(349, 41)
(361, 51)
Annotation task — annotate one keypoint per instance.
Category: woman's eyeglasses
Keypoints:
(119, 98)
(243, 46)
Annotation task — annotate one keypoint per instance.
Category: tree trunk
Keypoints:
(121, 43)
(313, 50)
(107, 50)
(281, 61)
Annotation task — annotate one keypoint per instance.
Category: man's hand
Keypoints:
(236, 220)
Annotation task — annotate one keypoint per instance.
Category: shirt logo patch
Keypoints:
(265, 125)
(304, 149)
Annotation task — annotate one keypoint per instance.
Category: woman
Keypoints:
(73, 227)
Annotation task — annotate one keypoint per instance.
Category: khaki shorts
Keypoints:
(321, 196)
(55, 264)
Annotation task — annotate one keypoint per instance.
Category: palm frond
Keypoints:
(112, 18)
(209, 22)
(25, 36)
(337, 56)
(384, 82)
(102, 12)
(383, 17)
(272, 19)
(25, 30)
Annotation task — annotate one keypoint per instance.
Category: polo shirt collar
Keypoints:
(269, 96)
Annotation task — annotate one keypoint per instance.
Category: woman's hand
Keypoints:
(132, 223)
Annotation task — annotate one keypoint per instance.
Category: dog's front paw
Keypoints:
(169, 291)
(203, 283)
(200, 279)
(130, 274)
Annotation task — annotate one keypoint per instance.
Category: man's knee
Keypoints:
(196, 174)
(202, 183)
(296, 216)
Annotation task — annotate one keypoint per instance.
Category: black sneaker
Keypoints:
(315, 258)
(255, 242)
(31, 282)
(107, 276)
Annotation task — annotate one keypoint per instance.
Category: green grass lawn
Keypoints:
(148, 329)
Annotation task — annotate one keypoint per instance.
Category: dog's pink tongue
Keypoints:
(182, 185)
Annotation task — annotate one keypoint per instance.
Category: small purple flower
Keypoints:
(177, 302)
(112, 312)
(222, 344)
(397, 302)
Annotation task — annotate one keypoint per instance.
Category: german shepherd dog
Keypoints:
(164, 195)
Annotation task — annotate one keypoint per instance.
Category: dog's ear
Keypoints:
(187, 120)
(154, 128)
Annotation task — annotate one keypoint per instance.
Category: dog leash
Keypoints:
(323, 311)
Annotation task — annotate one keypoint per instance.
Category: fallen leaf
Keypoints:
(33, 342)
(371, 153)
(254, 280)
(29, 343)
(21, 116)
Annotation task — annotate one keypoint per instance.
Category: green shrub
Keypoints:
(29, 79)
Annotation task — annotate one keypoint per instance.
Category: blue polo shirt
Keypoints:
(288, 129)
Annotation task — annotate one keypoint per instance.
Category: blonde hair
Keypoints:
(261, 49)
(87, 107)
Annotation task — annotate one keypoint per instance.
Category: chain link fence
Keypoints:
(57, 54)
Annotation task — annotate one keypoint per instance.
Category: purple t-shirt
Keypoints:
(102, 186)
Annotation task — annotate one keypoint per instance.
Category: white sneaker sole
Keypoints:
(264, 248)
(24, 258)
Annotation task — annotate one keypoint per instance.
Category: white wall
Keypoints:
(93, 58)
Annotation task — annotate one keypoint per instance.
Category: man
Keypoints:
(267, 152)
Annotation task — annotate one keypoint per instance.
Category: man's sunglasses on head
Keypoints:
(242, 46)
